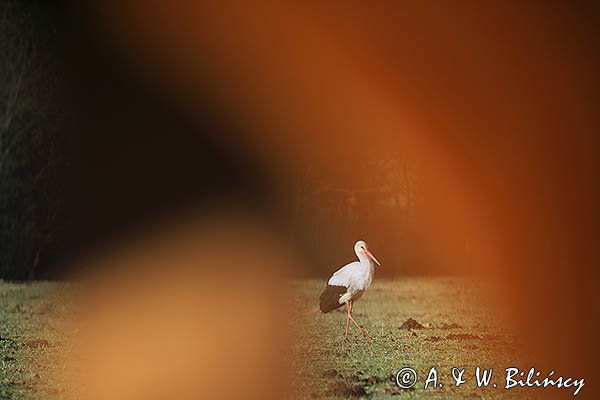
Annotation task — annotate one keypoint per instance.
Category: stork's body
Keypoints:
(348, 284)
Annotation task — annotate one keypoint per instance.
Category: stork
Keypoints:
(348, 284)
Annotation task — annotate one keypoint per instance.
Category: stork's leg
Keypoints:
(347, 322)
(365, 334)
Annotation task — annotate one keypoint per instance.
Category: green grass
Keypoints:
(33, 340)
(325, 367)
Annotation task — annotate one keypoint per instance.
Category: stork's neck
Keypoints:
(368, 270)
(365, 260)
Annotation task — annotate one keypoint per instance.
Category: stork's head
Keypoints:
(361, 249)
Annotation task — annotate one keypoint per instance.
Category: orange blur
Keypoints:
(493, 100)
(183, 311)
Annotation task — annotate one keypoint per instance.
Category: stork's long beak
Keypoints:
(372, 257)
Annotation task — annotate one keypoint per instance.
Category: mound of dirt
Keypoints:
(38, 343)
(352, 385)
(330, 373)
(411, 324)
(453, 325)
(345, 389)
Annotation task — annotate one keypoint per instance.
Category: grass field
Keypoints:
(457, 331)
(34, 341)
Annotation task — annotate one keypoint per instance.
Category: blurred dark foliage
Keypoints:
(137, 158)
(89, 152)
(33, 120)
(328, 216)
(75, 115)
(132, 157)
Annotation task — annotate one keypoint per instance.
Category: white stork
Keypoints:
(348, 284)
